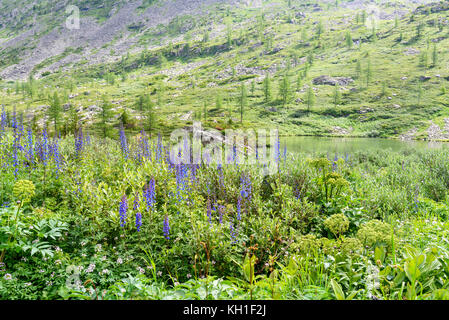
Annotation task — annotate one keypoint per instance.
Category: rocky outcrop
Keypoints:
(332, 81)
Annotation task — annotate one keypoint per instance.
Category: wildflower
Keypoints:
(141, 270)
(122, 210)
(24, 190)
(138, 221)
(98, 248)
(123, 142)
(209, 211)
(231, 229)
(239, 208)
(166, 228)
(159, 273)
(149, 194)
(105, 271)
(7, 276)
(246, 188)
(119, 261)
(189, 276)
(91, 268)
(79, 143)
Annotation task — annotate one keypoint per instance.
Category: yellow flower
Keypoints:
(24, 190)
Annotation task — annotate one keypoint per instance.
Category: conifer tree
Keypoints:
(54, 110)
(106, 115)
(310, 99)
(348, 39)
(337, 96)
(243, 101)
(267, 88)
(284, 90)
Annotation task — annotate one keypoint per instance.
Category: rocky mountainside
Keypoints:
(36, 33)
(310, 67)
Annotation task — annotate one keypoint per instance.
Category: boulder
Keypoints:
(332, 81)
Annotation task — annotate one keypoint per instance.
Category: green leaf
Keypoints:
(338, 291)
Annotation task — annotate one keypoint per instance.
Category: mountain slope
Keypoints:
(388, 59)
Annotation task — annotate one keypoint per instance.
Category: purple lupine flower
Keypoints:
(44, 147)
(123, 209)
(277, 150)
(209, 211)
(30, 152)
(138, 220)
(220, 211)
(136, 202)
(246, 188)
(87, 139)
(166, 228)
(149, 193)
(180, 181)
(3, 120)
(239, 208)
(15, 147)
(79, 141)
(232, 231)
(334, 163)
(56, 157)
(123, 143)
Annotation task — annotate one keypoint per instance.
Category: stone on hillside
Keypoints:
(332, 81)
(424, 78)
(411, 51)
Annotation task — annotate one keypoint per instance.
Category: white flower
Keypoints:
(7, 276)
(119, 261)
(90, 268)
(189, 275)
(98, 248)
(105, 271)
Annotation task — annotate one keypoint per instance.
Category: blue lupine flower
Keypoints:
(246, 188)
(209, 211)
(166, 228)
(233, 234)
(277, 149)
(3, 120)
(239, 208)
(44, 147)
(138, 220)
(56, 157)
(334, 163)
(15, 147)
(149, 193)
(79, 141)
(123, 209)
(124, 143)
(30, 152)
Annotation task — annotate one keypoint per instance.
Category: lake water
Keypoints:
(349, 145)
